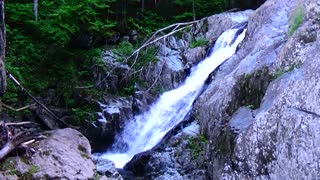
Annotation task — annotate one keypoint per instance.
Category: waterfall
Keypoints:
(147, 129)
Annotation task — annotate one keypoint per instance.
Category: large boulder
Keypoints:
(63, 154)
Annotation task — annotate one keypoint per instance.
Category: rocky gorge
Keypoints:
(258, 117)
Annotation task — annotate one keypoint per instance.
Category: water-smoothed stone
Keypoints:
(193, 55)
(217, 24)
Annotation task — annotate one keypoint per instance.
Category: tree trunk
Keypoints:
(142, 5)
(193, 11)
(3, 82)
(35, 9)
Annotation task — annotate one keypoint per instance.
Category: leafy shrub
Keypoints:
(199, 42)
(149, 22)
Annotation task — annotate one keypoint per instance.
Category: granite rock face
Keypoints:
(277, 77)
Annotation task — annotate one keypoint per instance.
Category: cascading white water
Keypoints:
(146, 130)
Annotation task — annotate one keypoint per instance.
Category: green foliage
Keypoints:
(38, 52)
(123, 50)
(8, 167)
(296, 21)
(60, 19)
(146, 56)
(148, 23)
(196, 145)
(198, 42)
(97, 176)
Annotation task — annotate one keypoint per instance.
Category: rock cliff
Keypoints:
(260, 111)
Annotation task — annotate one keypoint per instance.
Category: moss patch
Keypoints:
(296, 20)
(280, 72)
(253, 87)
(198, 42)
(196, 145)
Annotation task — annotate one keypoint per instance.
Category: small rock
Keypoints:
(107, 168)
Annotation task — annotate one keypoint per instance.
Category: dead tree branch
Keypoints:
(20, 123)
(16, 110)
(16, 82)
(157, 78)
(175, 28)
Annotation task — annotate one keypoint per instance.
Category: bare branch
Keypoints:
(36, 100)
(20, 123)
(151, 40)
(17, 110)
(84, 87)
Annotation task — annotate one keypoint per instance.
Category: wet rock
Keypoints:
(193, 55)
(217, 24)
(101, 76)
(175, 57)
(116, 111)
(180, 157)
(286, 145)
(142, 101)
(107, 168)
(133, 36)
